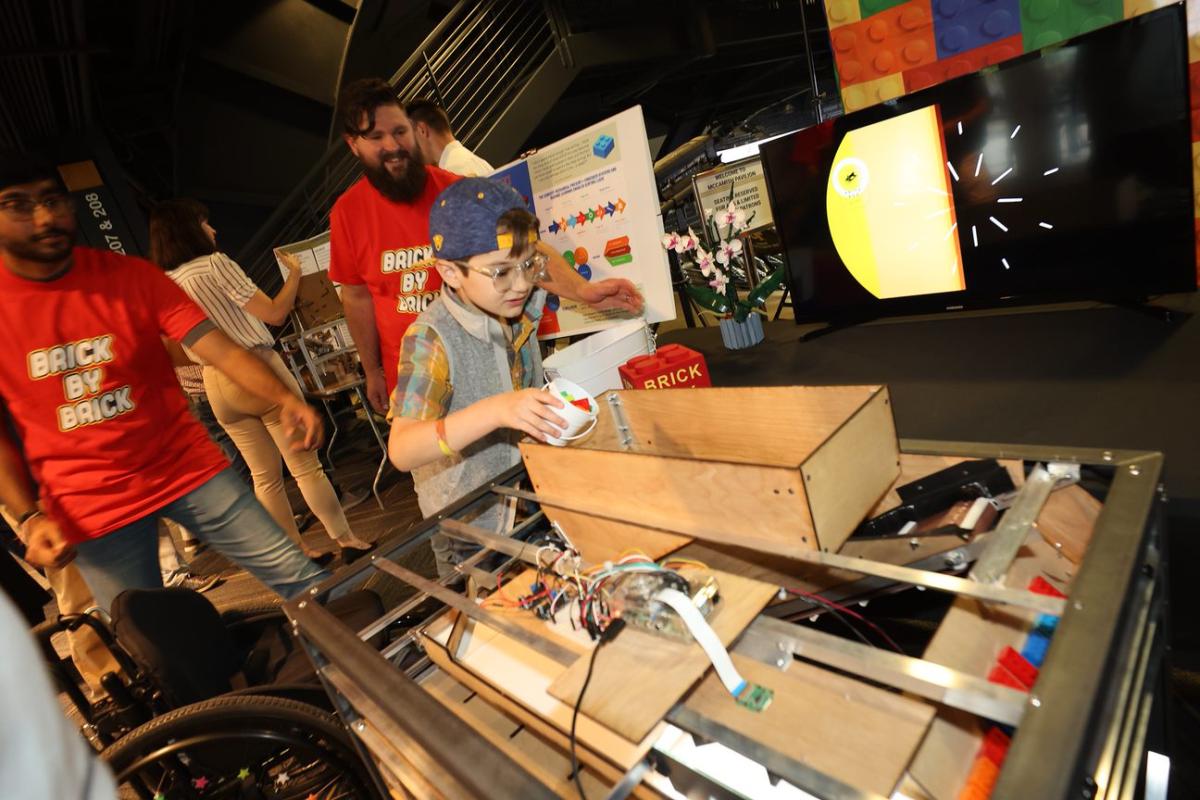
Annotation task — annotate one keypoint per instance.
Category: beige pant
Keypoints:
(73, 596)
(255, 427)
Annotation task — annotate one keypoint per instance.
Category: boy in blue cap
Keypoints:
(470, 373)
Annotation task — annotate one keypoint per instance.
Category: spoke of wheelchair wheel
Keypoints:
(313, 751)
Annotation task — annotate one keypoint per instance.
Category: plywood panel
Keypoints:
(944, 760)
(851, 470)
(861, 735)
(492, 663)
(969, 639)
(1068, 519)
(599, 540)
(779, 425)
(639, 676)
(721, 501)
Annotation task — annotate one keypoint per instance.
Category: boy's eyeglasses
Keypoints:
(23, 207)
(533, 269)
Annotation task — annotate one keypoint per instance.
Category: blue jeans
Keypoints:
(203, 411)
(222, 512)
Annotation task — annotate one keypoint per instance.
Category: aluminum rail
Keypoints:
(916, 577)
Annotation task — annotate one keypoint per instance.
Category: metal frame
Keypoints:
(326, 393)
(1081, 730)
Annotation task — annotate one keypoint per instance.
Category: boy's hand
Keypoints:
(531, 411)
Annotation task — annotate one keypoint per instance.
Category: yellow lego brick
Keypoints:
(861, 95)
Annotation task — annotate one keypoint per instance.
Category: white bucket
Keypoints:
(592, 363)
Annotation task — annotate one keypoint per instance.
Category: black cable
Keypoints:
(842, 619)
(609, 633)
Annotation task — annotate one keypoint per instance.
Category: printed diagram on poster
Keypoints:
(313, 254)
(595, 197)
(749, 190)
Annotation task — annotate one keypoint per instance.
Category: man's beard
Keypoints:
(407, 187)
(34, 250)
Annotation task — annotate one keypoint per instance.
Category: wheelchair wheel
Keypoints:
(245, 746)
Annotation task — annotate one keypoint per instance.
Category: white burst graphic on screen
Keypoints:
(980, 172)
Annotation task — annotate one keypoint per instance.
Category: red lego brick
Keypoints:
(1040, 585)
(1018, 667)
(888, 43)
(995, 746)
(672, 367)
(971, 61)
(1005, 678)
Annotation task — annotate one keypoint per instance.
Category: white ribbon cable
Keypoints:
(705, 636)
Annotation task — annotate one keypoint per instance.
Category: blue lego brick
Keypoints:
(603, 145)
(1034, 650)
(962, 25)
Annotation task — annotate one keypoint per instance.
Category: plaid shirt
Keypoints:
(423, 388)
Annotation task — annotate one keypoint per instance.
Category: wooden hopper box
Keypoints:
(778, 469)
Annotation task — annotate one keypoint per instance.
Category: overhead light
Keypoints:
(1158, 773)
(747, 150)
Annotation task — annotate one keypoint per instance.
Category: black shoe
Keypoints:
(324, 560)
(352, 554)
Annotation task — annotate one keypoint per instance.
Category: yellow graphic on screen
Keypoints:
(891, 214)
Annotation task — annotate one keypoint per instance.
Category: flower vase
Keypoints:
(740, 335)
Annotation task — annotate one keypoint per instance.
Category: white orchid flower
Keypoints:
(732, 217)
(671, 242)
(729, 251)
(689, 242)
(704, 260)
(718, 281)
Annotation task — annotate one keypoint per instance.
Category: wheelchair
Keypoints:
(214, 706)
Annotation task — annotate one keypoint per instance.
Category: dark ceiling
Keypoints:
(231, 102)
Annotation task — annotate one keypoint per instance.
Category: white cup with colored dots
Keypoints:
(580, 422)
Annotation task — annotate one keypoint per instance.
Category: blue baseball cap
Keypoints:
(462, 222)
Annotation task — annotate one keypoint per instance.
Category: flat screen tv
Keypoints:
(1065, 173)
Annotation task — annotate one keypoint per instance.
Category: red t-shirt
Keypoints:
(385, 245)
(106, 429)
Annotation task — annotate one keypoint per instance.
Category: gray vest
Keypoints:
(478, 356)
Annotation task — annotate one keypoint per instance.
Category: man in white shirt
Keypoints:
(437, 144)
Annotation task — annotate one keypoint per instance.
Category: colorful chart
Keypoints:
(583, 217)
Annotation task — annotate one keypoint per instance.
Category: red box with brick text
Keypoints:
(672, 367)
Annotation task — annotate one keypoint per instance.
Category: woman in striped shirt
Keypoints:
(184, 244)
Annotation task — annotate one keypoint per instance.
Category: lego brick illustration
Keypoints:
(842, 12)
(888, 43)
(603, 145)
(1047, 22)
(868, 94)
(963, 64)
(960, 26)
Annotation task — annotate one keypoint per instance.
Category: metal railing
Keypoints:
(474, 63)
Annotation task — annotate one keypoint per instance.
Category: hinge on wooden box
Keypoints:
(624, 432)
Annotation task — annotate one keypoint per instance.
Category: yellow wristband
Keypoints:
(443, 445)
